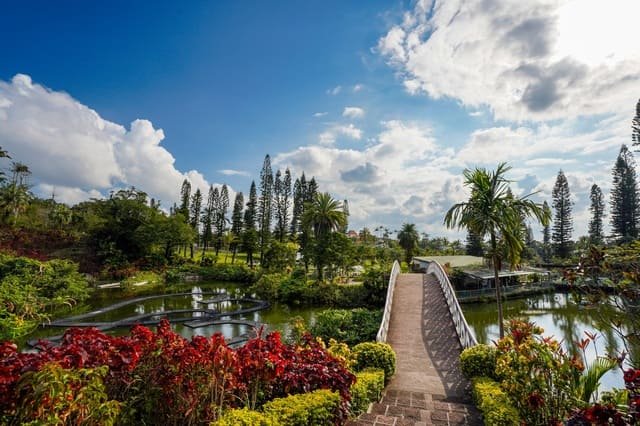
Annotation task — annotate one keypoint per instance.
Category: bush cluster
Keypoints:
(162, 378)
(31, 290)
(479, 360)
(367, 388)
(375, 355)
(494, 404)
(349, 326)
(239, 273)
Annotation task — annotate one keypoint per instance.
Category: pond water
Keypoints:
(561, 316)
(275, 317)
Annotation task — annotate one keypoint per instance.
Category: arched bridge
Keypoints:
(425, 326)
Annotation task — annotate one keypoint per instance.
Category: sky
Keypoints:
(384, 102)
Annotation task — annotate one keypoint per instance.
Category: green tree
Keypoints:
(3, 154)
(298, 206)
(185, 198)
(208, 217)
(408, 238)
(562, 220)
(60, 215)
(220, 215)
(323, 216)
(546, 235)
(250, 234)
(625, 204)
(474, 244)
(194, 215)
(282, 199)
(596, 232)
(236, 224)
(635, 127)
(491, 212)
(265, 205)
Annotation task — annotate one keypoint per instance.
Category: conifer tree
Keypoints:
(222, 206)
(596, 232)
(265, 206)
(250, 234)
(194, 214)
(298, 206)
(345, 212)
(185, 198)
(208, 217)
(635, 127)
(474, 245)
(282, 199)
(546, 235)
(236, 224)
(625, 203)
(562, 220)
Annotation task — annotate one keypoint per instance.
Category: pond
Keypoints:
(186, 297)
(561, 316)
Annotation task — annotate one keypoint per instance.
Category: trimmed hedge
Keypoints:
(375, 355)
(479, 360)
(318, 408)
(367, 388)
(350, 326)
(244, 417)
(494, 404)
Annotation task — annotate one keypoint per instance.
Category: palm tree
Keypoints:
(323, 215)
(492, 211)
(408, 239)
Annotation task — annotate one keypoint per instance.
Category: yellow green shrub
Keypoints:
(245, 417)
(316, 408)
(375, 355)
(367, 388)
(494, 404)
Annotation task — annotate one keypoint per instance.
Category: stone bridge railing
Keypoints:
(467, 339)
(386, 316)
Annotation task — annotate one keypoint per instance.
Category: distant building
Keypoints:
(353, 235)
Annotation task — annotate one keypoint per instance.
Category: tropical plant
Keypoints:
(323, 216)
(492, 211)
(408, 238)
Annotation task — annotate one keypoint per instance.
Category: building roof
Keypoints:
(454, 261)
(487, 274)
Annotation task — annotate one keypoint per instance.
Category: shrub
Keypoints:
(349, 326)
(479, 360)
(375, 355)
(367, 388)
(244, 417)
(57, 396)
(267, 287)
(494, 404)
(320, 407)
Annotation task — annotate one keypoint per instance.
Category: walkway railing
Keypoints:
(467, 339)
(386, 316)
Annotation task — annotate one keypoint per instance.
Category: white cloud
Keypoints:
(329, 136)
(353, 112)
(77, 153)
(525, 60)
(334, 91)
(231, 172)
(320, 114)
(357, 87)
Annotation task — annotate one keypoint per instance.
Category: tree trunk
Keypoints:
(496, 276)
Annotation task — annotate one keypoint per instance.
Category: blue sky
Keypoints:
(385, 102)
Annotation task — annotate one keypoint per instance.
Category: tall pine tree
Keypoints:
(596, 231)
(635, 127)
(562, 220)
(250, 234)
(194, 214)
(208, 218)
(298, 206)
(236, 224)
(474, 245)
(265, 206)
(546, 235)
(282, 199)
(624, 202)
(221, 216)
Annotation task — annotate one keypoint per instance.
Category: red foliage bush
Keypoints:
(163, 378)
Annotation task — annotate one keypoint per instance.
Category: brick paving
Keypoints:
(428, 387)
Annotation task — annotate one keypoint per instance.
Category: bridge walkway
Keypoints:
(428, 387)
